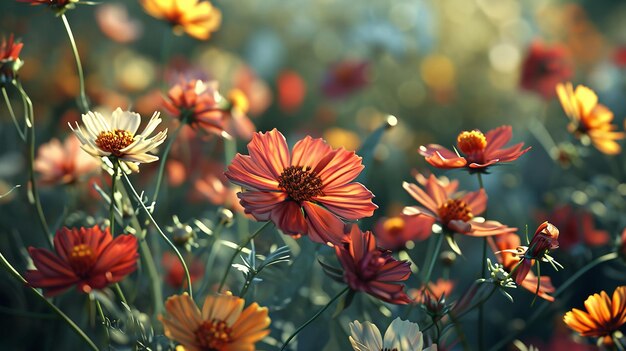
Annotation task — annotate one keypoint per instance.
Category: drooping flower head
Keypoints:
(309, 191)
(222, 325)
(394, 232)
(479, 150)
(63, 163)
(115, 136)
(545, 239)
(372, 270)
(89, 258)
(58, 6)
(399, 336)
(589, 120)
(10, 61)
(195, 17)
(544, 67)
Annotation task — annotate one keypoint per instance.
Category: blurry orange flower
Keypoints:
(442, 287)
(544, 67)
(89, 258)
(589, 120)
(309, 191)
(175, 273)
(63, 163)
(604, 315)
(394, 232)
(195, 17)
(372, 270)
(291, 91)
(223, 324)
(236, 121)
(212, 185)
(10, 61)
(480, 150)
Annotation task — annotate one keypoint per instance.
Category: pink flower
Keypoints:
(64, 163)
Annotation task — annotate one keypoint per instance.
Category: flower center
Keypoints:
(300, 183)
(81, 258)
(114, 141)
(213, 335)
(455, 210)
(394, 225)
(471, 143)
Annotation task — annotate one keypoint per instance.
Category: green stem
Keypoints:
(166, 152)
(459, 331)
(104, 321)
(116, 167)
(60, 313)
(431, 264)
(83, 104)
(314, 317)
(478, 304)
(617, 342)
(481, 312)
(120, 294)
(213, 254)
(21, 132)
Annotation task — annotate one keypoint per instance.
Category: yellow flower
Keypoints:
(223, 324)
(197, 18)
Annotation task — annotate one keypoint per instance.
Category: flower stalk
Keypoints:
(82, 101)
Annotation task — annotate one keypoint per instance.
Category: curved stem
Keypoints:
(83, 104)
(116, 167)
(314, 317)
(478, 304)
(166, 152)
(120, 293)
(103, 318)
(22, 133)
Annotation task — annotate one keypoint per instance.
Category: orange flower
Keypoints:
(372, 270)
(223, 324)
(236, 120)
(604, 315)
(442, 287)
(89, 258)
(10, 61)
(197, 18)
(480, 150)
(63, 163)
(394, 232)
(309, 191)
(589, 120)
(546, 238)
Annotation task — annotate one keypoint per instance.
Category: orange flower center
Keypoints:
(394, 225)
(300, 183)
(455, 210)
(213, 335)
(114, 141)
(471, 143)
(81, 258)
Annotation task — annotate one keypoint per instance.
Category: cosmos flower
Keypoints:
(10, 61)
(115, 136)
(577, 226)
(372, 270)
(545, 239)
(544, 67)
(437, 289)
(115, 22)
(89, 258)
(399, 336)
(222, 325)
(63, 163)
(236, 121)
(480, 150)
(344, 78)
(309, 191)
(195, 17)
(589, 120)
(394, 232)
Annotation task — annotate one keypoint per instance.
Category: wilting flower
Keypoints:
(589, 120)
(344, 78)
(63, 163)
(58, 6)
(223, 324)
(115, 136)
(394, 232)
(195, 17)
(175, 273)
(576, 226)
(372, 270)
(10, 61)
(400, 336)
(309, 191)
(89, 258)
(480, 150)
(603, 317)
(545, 67)
(545, 239)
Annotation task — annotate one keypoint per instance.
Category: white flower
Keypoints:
(400, 335)
(116, 136)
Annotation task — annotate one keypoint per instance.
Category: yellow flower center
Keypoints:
(81, 258)
(300, 183)
(114, 141)
(238, 100)
(213, 335)
(454, 210)
(472, 142)
(394, 225)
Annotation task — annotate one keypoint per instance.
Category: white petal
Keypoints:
(141, 158)
(133, 166)
(125, 120)
(365, 337)
(152, 124)
(404, 336)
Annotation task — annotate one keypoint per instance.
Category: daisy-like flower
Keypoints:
(309, 191)
(479, 150)
(115, 136)
(195, 17)
(222, 325)
(589, 120)
(399, 336)
(89, 258)
(10, 61)
(604, 316)
(372, 270)
(544, 67)
(394, 232)
(63, 163)
(58, 6)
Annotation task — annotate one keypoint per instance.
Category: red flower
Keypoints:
(175, 273)
(576, 226)
(10, 61)
(344, 78)
(372, 270)
(89, 258)
(308, 192)
(393, 233)
(545, 67)
(545, 239)
(480, 150)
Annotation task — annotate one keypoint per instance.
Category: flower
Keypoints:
(58, 6)
(236, 120)
(175, 273)
(344, 78)
(400, 335)
(197, 18)
(589, 120)
(442, 287)
(604, 315)
(576, 226)
(115, 22)
(10, 61)
(545, 239)
(63, 163)
(480, 150)
(394, 232)
(223, 324)
(455, 213)
(115, 136)
(372, 270)
(309, 191)
(89, 258)
(544, 67)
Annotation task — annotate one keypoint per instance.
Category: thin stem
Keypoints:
(314, 317)
(83, 104)
(120, 294)
(480, 180)
(116, 167)
(60, 313)
(166, 152)
(459, 331)
(431, 264)
(21, 132)
(481, 312)
(167, 240)
(478, 304)
(103, 318)
(617, 342)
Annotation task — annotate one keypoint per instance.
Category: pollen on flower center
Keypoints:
(114, 141)
(300, 183)
(471, 142)
(394, 225)
(455, 210)
(213, 335)
(81, 258)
